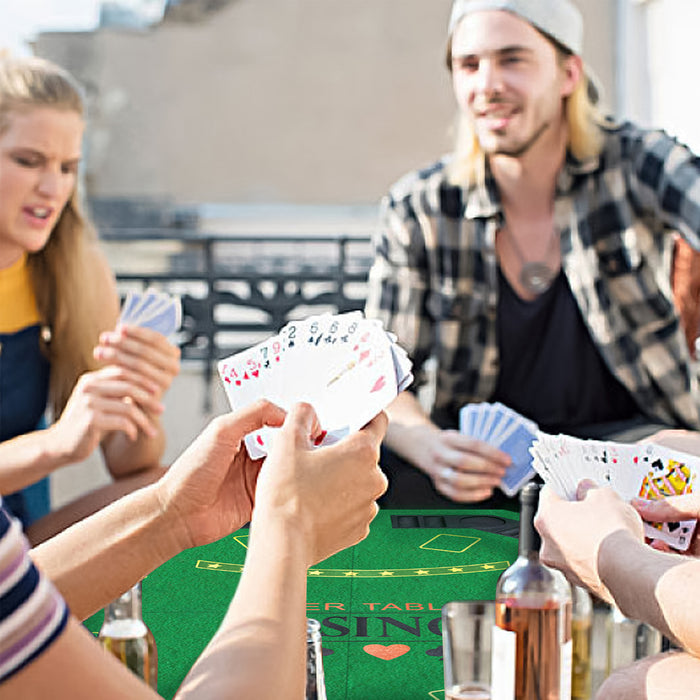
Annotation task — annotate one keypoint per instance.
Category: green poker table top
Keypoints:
(379, 602)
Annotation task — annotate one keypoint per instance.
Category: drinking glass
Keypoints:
(466, 637)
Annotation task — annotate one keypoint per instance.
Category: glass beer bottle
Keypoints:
(581, 633)
(532, 636)
(315, 683)
(125, 635)
(629, 640)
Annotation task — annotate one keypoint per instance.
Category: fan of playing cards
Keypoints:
(506, 429)
(633, 471)
(152, 309)
(347, 367)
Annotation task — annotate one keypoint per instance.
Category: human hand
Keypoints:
(462, 468)
(328, 494)
(106, 400)
(208, 492)
(573, 532)
(141, 350)
(671, 509)
(687, 441)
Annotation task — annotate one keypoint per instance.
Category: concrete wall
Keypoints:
(303, 101)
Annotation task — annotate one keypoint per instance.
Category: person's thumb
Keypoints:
(669, 509)
(584, 486)
(302, 423)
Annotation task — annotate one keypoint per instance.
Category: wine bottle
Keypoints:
(532, 636)
(125, 635)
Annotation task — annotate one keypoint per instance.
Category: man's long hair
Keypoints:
(63, 273)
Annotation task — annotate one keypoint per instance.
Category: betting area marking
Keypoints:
(453, 544)
(372, 573)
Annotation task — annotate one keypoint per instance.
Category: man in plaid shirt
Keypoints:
(533, 264)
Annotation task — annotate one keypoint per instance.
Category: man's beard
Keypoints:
(518, 150)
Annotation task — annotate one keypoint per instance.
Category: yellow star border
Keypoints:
(372, 573)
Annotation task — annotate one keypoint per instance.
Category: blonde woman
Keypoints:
(59, 341)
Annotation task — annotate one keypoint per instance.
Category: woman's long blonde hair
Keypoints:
(64, 272)
(583, 117)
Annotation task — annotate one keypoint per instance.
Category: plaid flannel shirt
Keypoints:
(434, 280)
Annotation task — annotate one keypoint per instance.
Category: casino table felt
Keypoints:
(378, 602)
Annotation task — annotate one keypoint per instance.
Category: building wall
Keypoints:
(674, 101)
(302, 101)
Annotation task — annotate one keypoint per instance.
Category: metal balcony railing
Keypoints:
(239, 290)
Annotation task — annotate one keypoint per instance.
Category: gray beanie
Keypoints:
(560, 19)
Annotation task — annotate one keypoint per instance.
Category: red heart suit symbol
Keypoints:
(392, 651)
(378, 385)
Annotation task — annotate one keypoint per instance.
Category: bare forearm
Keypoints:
(124, 456)
(657, 587)
(408, 424)
(26, 459)
(260, 648)
(97, 559)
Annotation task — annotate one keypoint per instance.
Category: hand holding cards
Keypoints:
(152, 309)
(506, 429)
(347, 367)
(645, 471)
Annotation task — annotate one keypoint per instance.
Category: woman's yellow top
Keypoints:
(18, 307)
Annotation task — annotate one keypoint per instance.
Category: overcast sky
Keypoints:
(20, 20)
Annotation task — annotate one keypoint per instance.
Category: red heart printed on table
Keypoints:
(378, 385)
(255, 372)
(387, 653)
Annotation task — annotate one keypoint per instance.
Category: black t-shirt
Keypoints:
(550, 370)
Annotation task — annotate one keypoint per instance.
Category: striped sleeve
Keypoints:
(32, 612)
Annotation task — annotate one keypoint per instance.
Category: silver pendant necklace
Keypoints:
(535, 276)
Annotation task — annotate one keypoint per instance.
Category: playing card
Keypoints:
(347, 367)
(506, 429)
(133, 299)
(517, 444)
(467, 418)
(493, 415)
(482, 411)
(149, 299)
(632, 471)
(668, 474)
(152, 309)
(166, 320)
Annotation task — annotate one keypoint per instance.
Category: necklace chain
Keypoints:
(535, 276)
